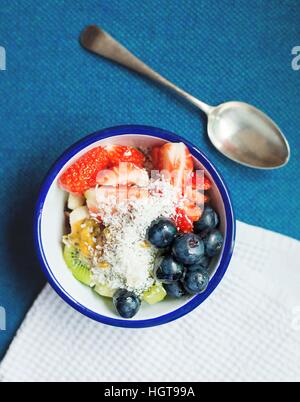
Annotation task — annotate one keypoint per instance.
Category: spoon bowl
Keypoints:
(247, 136)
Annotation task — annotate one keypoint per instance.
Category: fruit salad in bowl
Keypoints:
(146, 228)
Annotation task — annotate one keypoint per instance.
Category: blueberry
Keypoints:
(196, 281)
(167, 269)
(175, 289)
(209, 220)
(203, 263)
(213, 242)
(126, 303)
(188, 249)
(162, 233)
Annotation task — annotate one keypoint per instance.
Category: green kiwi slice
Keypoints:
(78, 265)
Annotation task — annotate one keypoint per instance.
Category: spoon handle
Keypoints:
(100, 42)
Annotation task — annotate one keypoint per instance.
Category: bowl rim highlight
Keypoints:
(218, 181)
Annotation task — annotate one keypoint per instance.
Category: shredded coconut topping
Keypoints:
(129, 257)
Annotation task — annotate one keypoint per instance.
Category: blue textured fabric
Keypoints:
(53, 93)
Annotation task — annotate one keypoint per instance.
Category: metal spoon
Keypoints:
(238, 130)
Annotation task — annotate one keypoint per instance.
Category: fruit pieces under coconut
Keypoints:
(85, 231)
(79, 215)
(177, 157)
(125, 174)
(97, 198)
(75, 201)
(121, 193)
(175, 160)
(91, 200)
(93, 205)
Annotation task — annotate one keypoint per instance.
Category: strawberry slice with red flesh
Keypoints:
(155, 157)
(125, 175)
(192, 210)
(197, 197)
(201, 183)
(186, 215)
(206, 199)
(82, 175)
(120, 153)
(183, 223)
(177, 161)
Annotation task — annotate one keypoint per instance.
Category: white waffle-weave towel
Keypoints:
(248, 330)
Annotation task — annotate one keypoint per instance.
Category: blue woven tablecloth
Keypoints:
(53, 93)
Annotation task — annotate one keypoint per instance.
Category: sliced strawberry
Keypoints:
(207, 184)
(192, 210)
(200, 182)
(177, 161)
(119, 153)
(197, 197)
(206, 199)
(136, 193)
(124, 175)
(82, 175)
(183, 223)
(98, 218)
(155, 157)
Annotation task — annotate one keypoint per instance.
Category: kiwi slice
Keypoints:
(155, 294)
(78, 265)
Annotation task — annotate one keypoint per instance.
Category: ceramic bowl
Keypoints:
(49, 227)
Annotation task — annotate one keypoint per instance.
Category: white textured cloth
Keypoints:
(248, 330)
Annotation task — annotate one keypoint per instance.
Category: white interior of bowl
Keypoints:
(52, 226)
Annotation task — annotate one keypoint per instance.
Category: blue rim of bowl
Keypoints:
(229, 238)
